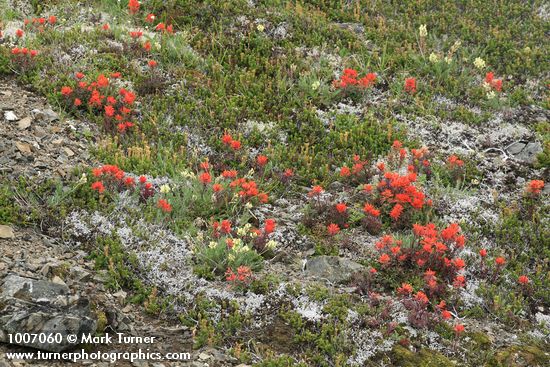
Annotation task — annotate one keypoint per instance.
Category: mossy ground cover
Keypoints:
(263, 73)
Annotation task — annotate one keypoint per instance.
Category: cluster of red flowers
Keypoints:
(495, 84)
(229, 141)
(100, 96)
(454, 162)
(23, 52)
(161, 27)
(164, 205)
(245, 188)
(40, 23)
(350, 78)
(243, 275)
(433, 251)
(534, 187)
(399, 192)
(358, 167)
(112, 177)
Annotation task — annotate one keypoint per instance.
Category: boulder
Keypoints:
(40, 306)
(525, 152)
(333, 268)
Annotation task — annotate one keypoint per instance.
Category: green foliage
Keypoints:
(216, 257)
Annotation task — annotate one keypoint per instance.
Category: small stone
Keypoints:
(58, 280)
(6, 231)
(333, 268)
(23, 147)
(204, 356)
(24, 123)
(69, 152)
(120, 296)
(10, 116)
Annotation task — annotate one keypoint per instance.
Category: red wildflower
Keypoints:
(217, 187)
(227, 139)
(109, 111)
(395, 213)
(446, 315)
(150, 18)
(52, 19)
(500, 261)
(142, 179)
(384, 259)
(133, 6)
(19, 33)
(316, 191)
(333, 229)
(66, 90)
(459, 281)
(79, 75)
(370, 209)
(410, 85)
(421, 297)
(129, 181)
(454, 161)
(459, 329)
(164, 205)
(482, 252)
(341, 208)
(523, 280)
(105, 27)
(160, 27)
(77, 102)
(261, 160)
(205, 178)
(147, 46)
(345, 171)
(288, 173)
(243, 273)
(229, 174)
(405, 289)
(534, 187)
(226, 226)
(102, 81)
(152, 64)
(269, 226)
(230, 276)
(98, 186)
(236, 145)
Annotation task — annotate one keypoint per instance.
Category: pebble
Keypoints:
(10, 116)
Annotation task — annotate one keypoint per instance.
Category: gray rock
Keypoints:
(10, 116)
(47, 115)
(24, 123)
(6, 231)
(39, 306)
(335, 269)
(525, 152)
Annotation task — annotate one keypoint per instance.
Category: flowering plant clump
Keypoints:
(388, 197)
(23, 58)
(100, 97)
(230, 248)
(113, 179)
(350, 79)
(240, 279)
(491, 85)
(40, 24)
(432, 253)
(456, 168)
